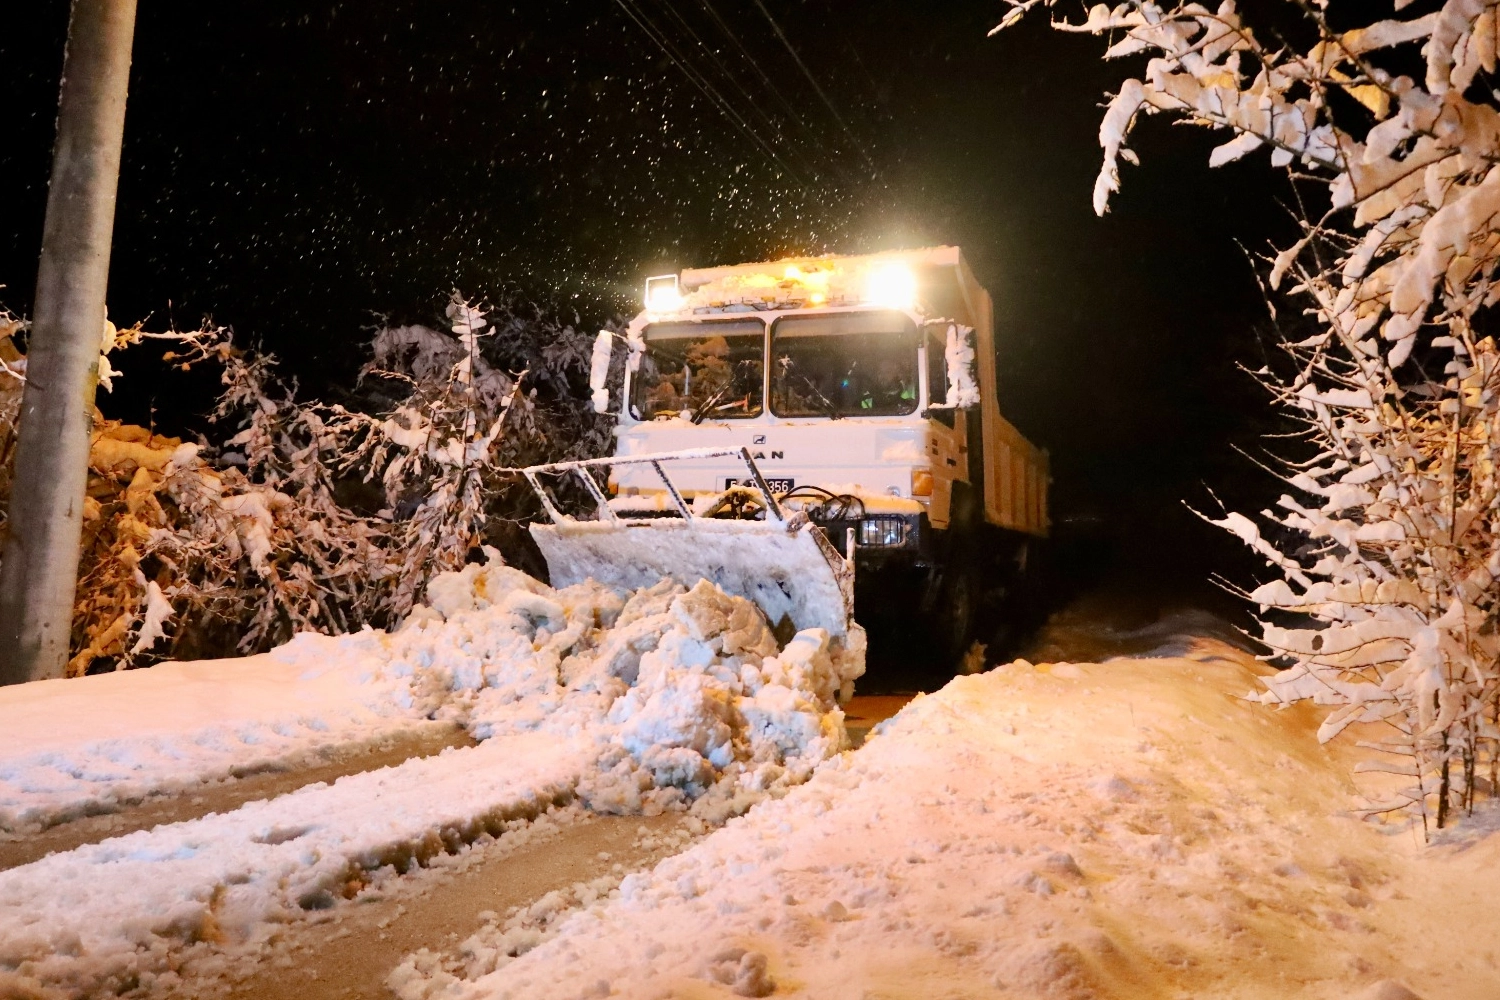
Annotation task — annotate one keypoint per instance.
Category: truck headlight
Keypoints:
(882, 532)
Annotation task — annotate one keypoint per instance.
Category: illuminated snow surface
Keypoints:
(1133, 829)
(624, 702)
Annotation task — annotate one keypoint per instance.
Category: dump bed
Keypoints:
(1013, 473)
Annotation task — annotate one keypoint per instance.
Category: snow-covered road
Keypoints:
(534, 874)
(199, 798)
(1122, 830)
(74, 747)
(99, 917)
(628, 702)
(1129, 829)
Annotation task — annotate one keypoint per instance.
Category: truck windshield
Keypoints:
(701, 371)
(844, 365)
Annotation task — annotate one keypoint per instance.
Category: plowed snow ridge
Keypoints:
(70, 747)
(93, 918)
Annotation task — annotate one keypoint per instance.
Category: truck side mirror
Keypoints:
(958, 357)
(945, 415)
(604, 346)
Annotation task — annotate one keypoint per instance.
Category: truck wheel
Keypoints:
(953, 617)
(958, 596)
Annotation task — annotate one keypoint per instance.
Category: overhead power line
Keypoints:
(813, 80)
(706, 86)
(770, 85)
(755, 105)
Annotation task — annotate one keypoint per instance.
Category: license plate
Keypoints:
(776, 485)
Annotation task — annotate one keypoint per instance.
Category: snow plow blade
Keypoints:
(782, 563)
(789, 572)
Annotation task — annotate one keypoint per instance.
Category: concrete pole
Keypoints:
(39, 574)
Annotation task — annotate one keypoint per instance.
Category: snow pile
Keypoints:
(1074, 831)
(663, 698)
(496, 651)
(702, 694)
(678, 688)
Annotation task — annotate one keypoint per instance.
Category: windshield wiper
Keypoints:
(702, 409)
(829, 406)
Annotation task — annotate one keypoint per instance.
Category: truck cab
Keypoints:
(846, 377)
(862, 387)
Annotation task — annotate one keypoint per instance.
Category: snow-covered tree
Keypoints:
(1385, 547)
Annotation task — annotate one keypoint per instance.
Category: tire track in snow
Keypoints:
(350, 951)
(631, 702)
(112, 916)
(327, 764)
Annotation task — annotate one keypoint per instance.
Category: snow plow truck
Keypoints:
(820, 435)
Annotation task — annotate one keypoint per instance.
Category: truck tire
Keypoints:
(958, 585)
(1014, 604)
(953, 616)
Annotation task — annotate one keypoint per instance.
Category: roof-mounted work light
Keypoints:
(662, 294)
(892, 285)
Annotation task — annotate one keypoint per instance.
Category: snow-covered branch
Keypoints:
(1386, 543)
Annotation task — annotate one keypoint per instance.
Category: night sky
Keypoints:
(296, 169)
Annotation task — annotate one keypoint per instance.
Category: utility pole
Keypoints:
(39, 575)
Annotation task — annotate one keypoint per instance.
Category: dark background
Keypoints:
(295, 170)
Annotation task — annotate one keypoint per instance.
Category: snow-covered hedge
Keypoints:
(1386, 545)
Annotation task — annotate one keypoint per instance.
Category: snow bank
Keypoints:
(90, 744)
(495, 650)
(665, 697)
(93, 920)
(1123, 830)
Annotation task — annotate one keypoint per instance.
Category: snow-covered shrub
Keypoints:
(184, 555)
(1386, 545)
(508, 387)
(313, 516)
